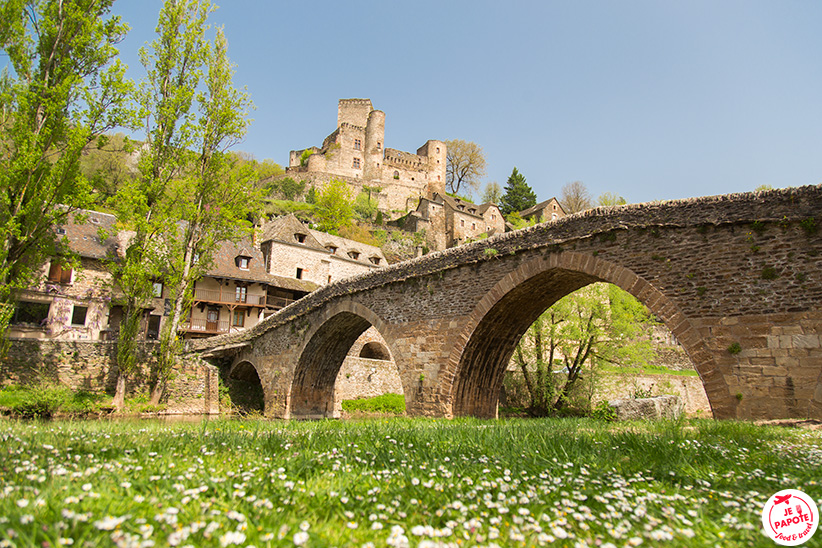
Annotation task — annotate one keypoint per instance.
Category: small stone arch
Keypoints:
(375, 351)
(477, 362)
(245, 388)
(328, 344)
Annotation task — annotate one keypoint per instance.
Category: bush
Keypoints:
(43, 401)
(387, 403)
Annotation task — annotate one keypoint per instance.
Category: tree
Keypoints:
(64, 90)
(595, 325)
(610, 199)
(493, 193)
(518, 195)
(333, 208)
(365, 206)
(213, 206)
(575, 197)
(464, 167)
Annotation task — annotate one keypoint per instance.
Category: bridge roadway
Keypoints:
(736, 278)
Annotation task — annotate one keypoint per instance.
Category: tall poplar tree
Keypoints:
(62, 89)
(173, 70)
(212, 203)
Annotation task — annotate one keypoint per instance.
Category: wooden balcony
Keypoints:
(204, 326)
(228, 297)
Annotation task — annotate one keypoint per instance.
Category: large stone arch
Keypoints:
(326, 346)
(477, 362)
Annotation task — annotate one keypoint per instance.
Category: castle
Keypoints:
(355, 153)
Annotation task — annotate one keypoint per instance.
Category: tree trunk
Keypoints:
(119, 401)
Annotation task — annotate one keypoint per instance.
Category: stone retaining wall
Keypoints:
(91, 366)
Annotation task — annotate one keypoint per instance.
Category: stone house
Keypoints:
(450, 221)
(549, 210)
(355, 153)
(71, 300)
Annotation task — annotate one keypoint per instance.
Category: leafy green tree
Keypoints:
(518, 194)
(365, 205)
(492, 193)
(213, 205)
(595, 325)
(333, 208)
(108, 163)
(62, 89)
(173, 71)
(289, 189)
(610, 199)
(464, 167)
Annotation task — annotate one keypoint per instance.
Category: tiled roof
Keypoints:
(345, 246)
(84, 237)
(284, 229)
(540, 206)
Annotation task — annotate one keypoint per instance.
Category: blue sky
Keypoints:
(652, 100)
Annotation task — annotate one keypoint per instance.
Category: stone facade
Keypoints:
(449, 221)
(737, 279)
(355, 153)
(91, 366)
(368, 371)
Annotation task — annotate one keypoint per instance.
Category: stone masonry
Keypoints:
(91, 366)
(737, 279)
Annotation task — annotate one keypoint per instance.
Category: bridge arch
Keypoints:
(477, 363)
(245, 387)
(326, 347)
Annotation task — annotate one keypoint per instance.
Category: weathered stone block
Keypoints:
(660, 407)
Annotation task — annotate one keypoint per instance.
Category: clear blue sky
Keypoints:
(648, 99)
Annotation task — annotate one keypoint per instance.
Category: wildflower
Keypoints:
(305, 526)
(300, 538)
(22, 503)
(65, 541)
(232, 537)
(109, 523)
(26, 519)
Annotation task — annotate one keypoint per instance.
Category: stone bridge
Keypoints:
(736, 278)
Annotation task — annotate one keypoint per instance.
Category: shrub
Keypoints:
(387, 403)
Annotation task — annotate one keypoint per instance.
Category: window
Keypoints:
(473, 226)
(379, 145)
(332, 249)
(240, 294)
(357, 144)
(238, 319)
(59, 274)
(300, 237)
(462, 222)
(299, 273)
(396, 174)
(438, 150)
(375, 260)
(26, 312)
(555, 207)
(356, 163)
(354, 254)
(78, 315)
(157, 289)
(493, 216)
(61, 231)
(243, 263)
(554, 216)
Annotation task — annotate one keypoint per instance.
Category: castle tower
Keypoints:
(374, 146)
(436, 153)
(354, 112)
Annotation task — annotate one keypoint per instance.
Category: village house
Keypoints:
(71, 300)
(449, 221)
(549, 210)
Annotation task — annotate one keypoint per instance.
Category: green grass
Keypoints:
(577, 482)
(386, 403)
(45, 401)
(650, 370)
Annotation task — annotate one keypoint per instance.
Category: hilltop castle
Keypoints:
(355, 153)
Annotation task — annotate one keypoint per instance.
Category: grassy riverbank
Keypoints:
(573, 482)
